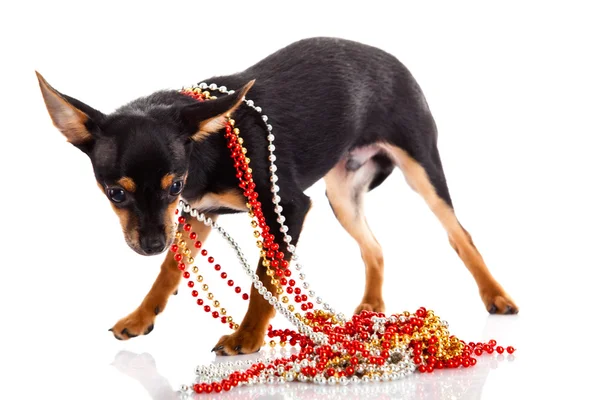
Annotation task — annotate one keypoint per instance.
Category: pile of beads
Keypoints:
(369, 347)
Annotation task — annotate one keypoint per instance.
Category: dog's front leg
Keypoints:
(249, 337)
(141, 321)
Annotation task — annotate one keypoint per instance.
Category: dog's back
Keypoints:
(328, 96)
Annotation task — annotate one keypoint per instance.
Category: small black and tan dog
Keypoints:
(341, 110)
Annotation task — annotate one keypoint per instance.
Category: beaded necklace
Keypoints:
(369, 347)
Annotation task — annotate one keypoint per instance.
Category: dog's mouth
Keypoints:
(135, 244)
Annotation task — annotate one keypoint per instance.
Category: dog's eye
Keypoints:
(176, 188)
(116, 195)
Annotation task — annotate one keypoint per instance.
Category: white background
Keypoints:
(514, 89)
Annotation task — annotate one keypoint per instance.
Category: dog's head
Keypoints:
(140, 153)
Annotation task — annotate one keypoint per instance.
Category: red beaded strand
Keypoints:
(178, 256)
(274, 256)
(426, 336)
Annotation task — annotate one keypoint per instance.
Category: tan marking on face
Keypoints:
(65, 117)
(128, 223)
(217, 123)
(169, 220)
(166, 181)
(231, 199)
(127, 183)
(128, 226)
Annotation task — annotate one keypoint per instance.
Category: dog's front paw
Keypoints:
(242, 341)
(139, 322)
(497, 301)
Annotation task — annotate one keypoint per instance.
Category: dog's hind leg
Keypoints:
(346, 186)
(426, 177)
(141, 321)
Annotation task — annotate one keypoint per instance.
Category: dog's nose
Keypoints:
(152, 244)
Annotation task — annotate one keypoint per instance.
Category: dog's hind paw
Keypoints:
(498, 302)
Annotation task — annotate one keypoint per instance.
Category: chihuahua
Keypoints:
(342, 111)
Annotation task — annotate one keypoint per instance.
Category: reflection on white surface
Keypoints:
(445, 385)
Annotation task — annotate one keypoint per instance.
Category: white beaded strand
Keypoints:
(215, 373)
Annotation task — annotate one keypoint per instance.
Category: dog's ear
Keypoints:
(209, 116)
(72, 117)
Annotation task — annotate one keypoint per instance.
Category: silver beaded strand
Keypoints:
(215, 373)
(276, 199)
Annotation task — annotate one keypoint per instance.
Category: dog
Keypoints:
(342, 111)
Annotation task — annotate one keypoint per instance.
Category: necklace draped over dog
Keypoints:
(333, 349)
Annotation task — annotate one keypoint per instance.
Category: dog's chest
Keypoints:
(215, 201)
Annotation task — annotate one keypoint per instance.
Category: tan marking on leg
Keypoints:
(139, 321)
(344, 191)
(127, 183)
(490, 290)
(249, 337)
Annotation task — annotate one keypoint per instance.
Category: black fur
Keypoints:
(324, 97)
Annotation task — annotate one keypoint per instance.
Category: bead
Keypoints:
(376, 340)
